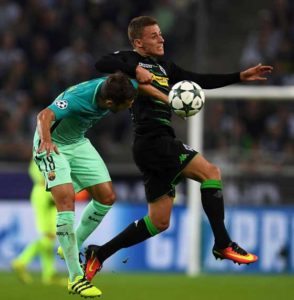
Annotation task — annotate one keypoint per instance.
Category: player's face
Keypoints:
(151, 42)
(119, 107)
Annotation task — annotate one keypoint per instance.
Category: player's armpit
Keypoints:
(153, 92)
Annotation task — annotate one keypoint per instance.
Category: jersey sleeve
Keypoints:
(206, 81)
(125, 61)
(63, 108)
(135, 83)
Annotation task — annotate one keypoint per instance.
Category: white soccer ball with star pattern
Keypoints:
(186, 98)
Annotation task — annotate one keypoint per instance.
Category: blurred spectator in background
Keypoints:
(263, 43)
(10, 13)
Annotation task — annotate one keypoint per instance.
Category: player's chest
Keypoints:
(89, 117)
(160, 74)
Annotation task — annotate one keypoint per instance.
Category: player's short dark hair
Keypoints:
(137, 25)
(118, 88)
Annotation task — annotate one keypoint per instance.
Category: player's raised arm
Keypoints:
(212, 81)
(44, 121)
(153, 92)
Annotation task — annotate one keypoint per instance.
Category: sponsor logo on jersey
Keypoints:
(163, 81)
(146, 66)
(150, 66)
(61, 103)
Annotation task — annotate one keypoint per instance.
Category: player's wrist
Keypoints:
(46, 140)
(242, 76)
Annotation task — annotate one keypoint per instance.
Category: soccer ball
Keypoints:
(186, 98)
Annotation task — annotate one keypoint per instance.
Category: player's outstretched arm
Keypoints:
(153, 92)
(256, 73)
(44, 120)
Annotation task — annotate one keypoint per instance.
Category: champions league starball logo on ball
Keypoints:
(62, 104)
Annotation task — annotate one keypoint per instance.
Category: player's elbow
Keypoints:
(45, 115)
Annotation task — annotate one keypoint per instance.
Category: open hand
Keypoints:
(256, 73)
(49, 147)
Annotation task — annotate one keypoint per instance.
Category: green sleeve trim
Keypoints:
(163, 121)
(211, 184)
(96, 91)
(151, 228)
(159, 102)
(161, 110)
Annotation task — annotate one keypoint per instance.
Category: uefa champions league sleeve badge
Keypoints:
(61, 103)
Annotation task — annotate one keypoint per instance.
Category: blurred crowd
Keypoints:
(272, 41)
(258, 135)
(47, 45)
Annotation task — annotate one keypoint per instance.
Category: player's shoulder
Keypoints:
(129, 53)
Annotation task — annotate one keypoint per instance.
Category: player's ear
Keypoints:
(108, 103)
(137, 43)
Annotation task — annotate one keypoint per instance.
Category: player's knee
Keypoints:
(109, 199)
(65, 202)
(213, 172)
(64, 197)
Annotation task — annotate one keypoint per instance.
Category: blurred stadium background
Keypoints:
(47, 45)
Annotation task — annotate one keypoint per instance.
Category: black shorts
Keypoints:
(161, 159)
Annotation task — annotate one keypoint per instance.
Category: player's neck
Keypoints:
(142, 53)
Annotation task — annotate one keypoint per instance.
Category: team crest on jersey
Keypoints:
(61, 103)
(51, 175)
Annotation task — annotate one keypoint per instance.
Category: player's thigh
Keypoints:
(201, 169)
(87, 166)
(55, 168)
